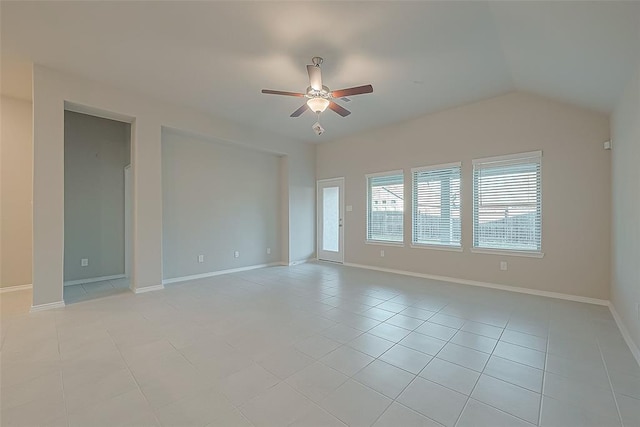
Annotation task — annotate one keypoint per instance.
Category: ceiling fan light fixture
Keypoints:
(318, 105)
(320, 97)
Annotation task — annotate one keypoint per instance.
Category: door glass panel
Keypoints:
(330, 218)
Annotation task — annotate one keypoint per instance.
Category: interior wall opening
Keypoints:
(97, 206)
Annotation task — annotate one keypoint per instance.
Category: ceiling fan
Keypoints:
(319, 97)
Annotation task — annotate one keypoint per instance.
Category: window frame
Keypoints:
(442, 166)
(398, 172)
(513, 159)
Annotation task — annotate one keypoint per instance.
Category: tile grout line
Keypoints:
(440, 311)
(478, 380)
(134, 378)
(225, 397)
(416, 376)
(606, 369)
(395, 400)
(64, 396)
(544, 378)
(481, 373)
(448, 341)
(352, 377)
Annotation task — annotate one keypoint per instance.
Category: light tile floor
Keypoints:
(87, 291)
(312, 345)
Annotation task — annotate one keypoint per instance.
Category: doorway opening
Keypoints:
(97, 206)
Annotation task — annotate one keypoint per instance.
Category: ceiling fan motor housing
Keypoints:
(324, 93)
(320, 97)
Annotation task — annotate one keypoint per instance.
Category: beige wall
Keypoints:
(575, 180)
(216, 199)
(15, 191)
(625, 133)
(95, 154)
(52, 89)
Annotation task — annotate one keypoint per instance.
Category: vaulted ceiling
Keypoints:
(420, 57)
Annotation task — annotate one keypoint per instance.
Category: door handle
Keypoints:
(340, 223)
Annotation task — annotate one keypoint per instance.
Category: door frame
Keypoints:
(128, 220)
(341, 202)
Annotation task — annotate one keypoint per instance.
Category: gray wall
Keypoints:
(625, 133)
(217, 199)
(53, 88)
(576, 177)
(16, 180)
(96, 150)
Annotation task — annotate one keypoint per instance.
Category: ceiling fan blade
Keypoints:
(279, 92)
(359, 90)
(300, 110)
(315, 77)
(339, 109)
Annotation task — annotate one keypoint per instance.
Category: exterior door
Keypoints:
(330, 224)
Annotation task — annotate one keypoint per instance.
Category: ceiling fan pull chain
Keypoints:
(317, 127)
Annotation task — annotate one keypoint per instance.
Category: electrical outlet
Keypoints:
(503, 265)
(268, 251)
(236, 254)
(84, 262)
(382, 253)
(200, 258)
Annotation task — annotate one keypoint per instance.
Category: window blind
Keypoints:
(436, 205)
(507, 202)
(385, 207)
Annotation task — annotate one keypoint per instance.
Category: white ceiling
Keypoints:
(419, 56)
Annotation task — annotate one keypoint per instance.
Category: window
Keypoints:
(385, 207)
(507, 202)
(436, 205)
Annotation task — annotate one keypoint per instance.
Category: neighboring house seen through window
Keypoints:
(385, 207)
(436, 205)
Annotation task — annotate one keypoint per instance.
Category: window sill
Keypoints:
(508, 252)
(437, 247)
(383, 243)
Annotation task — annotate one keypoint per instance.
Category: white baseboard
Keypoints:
(94, 279)
(218, 273)
(625, 333)
(16, 288)
(148, 289)
(529, 291)
(48, 306)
